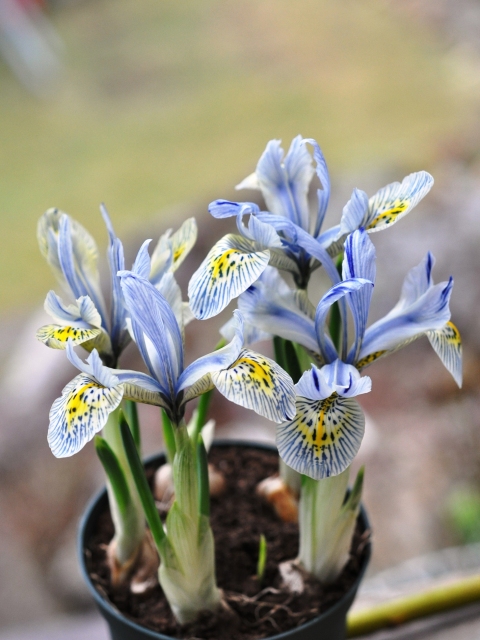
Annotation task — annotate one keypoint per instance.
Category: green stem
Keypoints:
(168, 437)
(401, 610)
(202, 411)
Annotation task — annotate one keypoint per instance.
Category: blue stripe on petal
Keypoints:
(298, 165)
(142, 265)
(220, 359)
(315, 249)
(263, 234)
(58, 310)
(323, 438)
(65, 254)
(271, 306)
(284, 184)
(227, 208)
(338, 291)
(230, 267)
(116, 260)
(80, 413)
(151, 315)
(359, 262)
(417, 282)
(337, 377)
(323, 175)
(78, 256)
(139, 379)
(429, 312)
(313, 385)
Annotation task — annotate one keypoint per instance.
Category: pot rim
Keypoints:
(105, 604)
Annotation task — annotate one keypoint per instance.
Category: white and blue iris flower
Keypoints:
(73, 255)
(326, 432)
(241, 375)
(286, 235)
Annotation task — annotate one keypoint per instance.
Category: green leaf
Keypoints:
(202, 411)
(304, 358)
(293, 365)
(114, 473)
(202, 475)
(131, 414)
(143, 489)
(262, 558)
(286, 356)
(168, 437)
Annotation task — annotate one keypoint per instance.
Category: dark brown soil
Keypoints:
(238, 519)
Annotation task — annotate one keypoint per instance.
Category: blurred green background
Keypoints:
(164, 102)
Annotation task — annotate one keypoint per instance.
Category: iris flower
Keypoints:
(328, 427)
(73, 255)
(286, 235)
(243, 376)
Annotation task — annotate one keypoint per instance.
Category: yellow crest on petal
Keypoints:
(323, 438)
(55, 336)
(448, 346)
(80, 413)
(395, 200)
(183, 241)
(257, 383)
(230, 267)
(364, 362)
(390, 215)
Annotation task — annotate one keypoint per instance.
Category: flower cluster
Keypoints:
(320, 423)
(328, 427)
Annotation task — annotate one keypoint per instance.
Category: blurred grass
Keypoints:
(173, 102)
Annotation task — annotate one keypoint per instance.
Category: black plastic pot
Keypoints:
(330, 625)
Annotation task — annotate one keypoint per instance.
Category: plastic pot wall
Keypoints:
(330, 625)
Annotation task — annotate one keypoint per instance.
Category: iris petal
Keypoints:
(322, 194)
(256, 382)
(448, 346)
(271, 306)
(323, 438)
(220, 359)
(284, 182)
(429, 312)
(394, 201)
(118, 333)
(182, 242)
(56, 336)
(80, 413)
(359, 262)
(230, 267)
